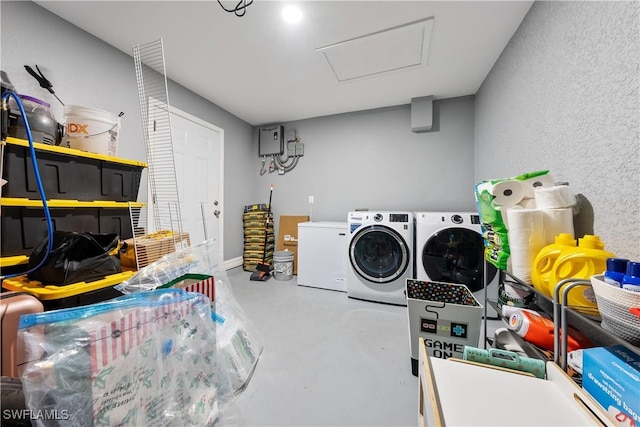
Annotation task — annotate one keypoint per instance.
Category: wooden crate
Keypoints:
(147, 249)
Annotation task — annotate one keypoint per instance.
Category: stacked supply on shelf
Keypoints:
(521, 215)
(86, 193)
(259, 239)
(564, 259)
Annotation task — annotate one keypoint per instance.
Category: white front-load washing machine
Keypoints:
(449, 248)
(380, 255)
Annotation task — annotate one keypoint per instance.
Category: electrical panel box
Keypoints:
(295, 149)
(271, 141)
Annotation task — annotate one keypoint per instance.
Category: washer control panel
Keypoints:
(398, 217)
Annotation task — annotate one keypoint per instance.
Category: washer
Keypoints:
(380, 256)
(449, 248)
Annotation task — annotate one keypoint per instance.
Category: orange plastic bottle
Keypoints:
(587, 260)
(538, 330)
(546, 258)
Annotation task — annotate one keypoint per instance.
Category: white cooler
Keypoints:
(322, 255)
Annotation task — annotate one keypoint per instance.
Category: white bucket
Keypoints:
(283, 265)
(90, 129)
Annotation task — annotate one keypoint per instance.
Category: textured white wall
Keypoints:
(564, 96)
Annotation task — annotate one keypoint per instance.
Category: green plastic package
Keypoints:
(494, 225)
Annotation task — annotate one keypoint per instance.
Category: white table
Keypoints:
(461, 393)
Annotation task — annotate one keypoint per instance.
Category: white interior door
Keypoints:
(198, 158)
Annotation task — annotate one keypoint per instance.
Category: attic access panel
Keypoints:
(396, 48)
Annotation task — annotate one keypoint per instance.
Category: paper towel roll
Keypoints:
(557, 221)
(528, 203)
(526, 238)
(525, 219)
(503, 211)
(506, 193)
(530, 184)
(558, 196)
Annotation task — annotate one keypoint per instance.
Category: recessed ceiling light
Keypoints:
(291, 14)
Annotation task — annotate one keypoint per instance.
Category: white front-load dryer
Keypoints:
(380, 255)
(449, 248)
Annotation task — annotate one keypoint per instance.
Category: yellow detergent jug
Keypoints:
(587, 260)
(546, 258)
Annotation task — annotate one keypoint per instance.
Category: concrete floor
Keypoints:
(328, 360)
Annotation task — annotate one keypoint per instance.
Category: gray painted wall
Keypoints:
(564, 96)
(371, 159)
(87, 71)
(366, 159)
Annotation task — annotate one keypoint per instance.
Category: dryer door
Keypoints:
(378, 254)
(456, 255)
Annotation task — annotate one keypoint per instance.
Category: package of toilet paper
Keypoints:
(494, 198)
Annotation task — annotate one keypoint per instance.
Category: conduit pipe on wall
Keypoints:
(283, 165)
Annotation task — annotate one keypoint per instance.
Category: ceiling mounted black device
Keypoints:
(240, 8)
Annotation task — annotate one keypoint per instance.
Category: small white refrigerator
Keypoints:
(322, 255)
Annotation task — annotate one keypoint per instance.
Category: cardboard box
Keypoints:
(200, 283)
(288, 236)
(446, 315)
(611, 375)
(151, 247)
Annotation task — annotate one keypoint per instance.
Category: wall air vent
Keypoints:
(421, 114)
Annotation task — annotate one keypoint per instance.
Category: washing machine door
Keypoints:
(379, 254)
(456, 255)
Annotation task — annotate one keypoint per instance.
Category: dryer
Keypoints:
(449, 248)
(380, 255)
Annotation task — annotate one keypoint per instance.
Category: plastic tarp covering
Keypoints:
(157, 356)
(239, 344)
(145, 359)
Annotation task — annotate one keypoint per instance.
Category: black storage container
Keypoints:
(24, 224)
(55, 297)
(69, 174)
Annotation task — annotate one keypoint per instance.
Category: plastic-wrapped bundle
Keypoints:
(238, 343)
(202, 259)
(146, 359)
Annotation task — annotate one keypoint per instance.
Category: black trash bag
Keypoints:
(75, 257)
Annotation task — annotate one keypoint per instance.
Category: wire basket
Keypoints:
(614, 304)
